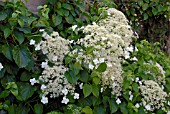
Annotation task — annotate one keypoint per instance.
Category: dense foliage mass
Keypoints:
(67, 60)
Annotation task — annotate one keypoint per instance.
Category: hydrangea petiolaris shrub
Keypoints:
(104, 71)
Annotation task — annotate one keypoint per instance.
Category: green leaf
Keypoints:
(7, 32)
(69, 19)
(25, 91)
(135, 87)
(60, 12)
(145, 6)
(123, 108)
(21, 55)
(102, 67)
(58, 5)
(68, 59)
(12, 86)
(154, 11)
(22, 109)
(38, 108)
(19, 36)
(84, 76)
(87, 110)
(75, 68)
(21, 22)
(25, 76)
(95, 90)
(113, 106)
(56, 19)
(7, 51)
(67, 6)
(99, 110)
(71, 77)
(87, 89)
(66, 13)
(4, 94)
(3, 15)
(145, 16)
(96, 80)
(2, 72)
(52, 1)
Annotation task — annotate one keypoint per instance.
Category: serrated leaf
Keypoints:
(84, 76)
(4, 94)
(95, 90)
(87, 110)
(7, 32)
(113, 106)
(67, 6)
(102, 67)
(21, 55)
(3, 15)
(7, 51)
(19, 36)
(38, 108)
(69, 19)
(87, 89)
(71, 77)
(25, 91)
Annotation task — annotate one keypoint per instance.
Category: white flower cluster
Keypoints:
(55, 48)
(153, 95)
(106, 42)
(1, 67)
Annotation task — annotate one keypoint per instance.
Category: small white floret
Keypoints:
(81, 86)
(65, 100)
(32, 42)
(1, 67)
(95, 61)
(148, 107)
(33, 81)
(65, 91)
(44, 64)
(76, 96)
(44, 100)
(118, 101)
(37, 47)
(74, 27)
(101, 60)
(91, 66)
(137, 105)
(43, 87)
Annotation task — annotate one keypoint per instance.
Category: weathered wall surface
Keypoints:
(31, 4)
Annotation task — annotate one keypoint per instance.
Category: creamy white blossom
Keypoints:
(91, 66)
(137, 105)
(81, 86)
(65, 100)
(1, 67)
(76, 96)
(44, 64)
(74, 27)
(43, 87)
(37, 47)
(44, 100)
(118, 101)
(32, 42)
(33, 81)
(65, 91)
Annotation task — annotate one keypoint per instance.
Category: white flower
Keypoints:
(33, 81)
(37, 47)
(134, 59)
(168, 112)
(94, 23)
(136, 49)
(71, 41)
(55, 58)
(148, 107)
(1, 67)
(130, 49)
(43, 87)
(140, 82)
(95, 61)
(108, 14)
(65, 91)
(44, 100)
(168, 103)
(45, 51)
(137, 79)
(54, 33)
(91, 66)
(162, 87)
(41, 30)
(32, 42)
(104, 38)
(131, 97)
(74, 27)
(118, 101)
(137, 105)
(81, 86)
(101, 60)
(109, 64)
(76, 96)
(101, 90)
(44, 64)
(65, 100)
(127, 55)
